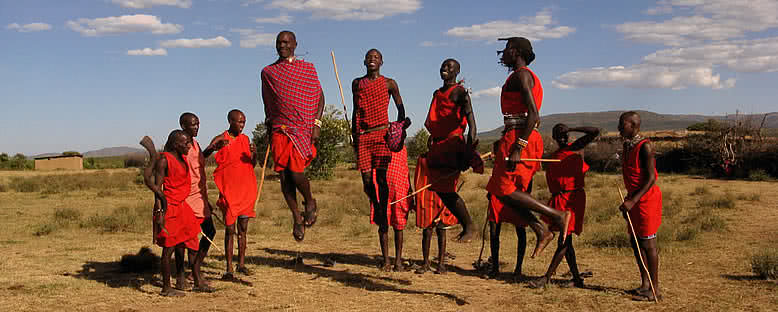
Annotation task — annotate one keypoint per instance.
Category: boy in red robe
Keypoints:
(234, 177)
(177, 223)
(566, 183)
(449, 151)
(370, 121)
(397, 214)
(643, 202)
(431, 214)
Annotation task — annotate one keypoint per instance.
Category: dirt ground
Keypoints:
(76, 267)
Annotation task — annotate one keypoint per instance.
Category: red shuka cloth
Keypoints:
(198, 193)
(646, 215)
(503, 182)
(445, 118)
(285, 156)
(399, 184)
(565, 181)
(291, 93)
(235, 178)
(180, 222)
(429, 207)
(372, 111)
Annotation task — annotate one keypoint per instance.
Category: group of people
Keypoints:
(294, 102)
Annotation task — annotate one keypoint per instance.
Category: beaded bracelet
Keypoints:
(317, 123)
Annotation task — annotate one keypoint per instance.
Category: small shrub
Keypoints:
(25, 185)
(121, 219)
(613, 236)
(358, 229)
(45, 229)
(765, 264)
(758, 175)
(687, 233)
(701, 190)
(724, 201)
(62, 215)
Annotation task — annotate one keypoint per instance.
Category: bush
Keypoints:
(135, 161)
(23, 185)
(765, 264)
(758, 175)
(723, 201)
(261, 139)
(121, 219)
(63, 215)
(60, 183)
(45, 229)
(417, 145)
(334, 135)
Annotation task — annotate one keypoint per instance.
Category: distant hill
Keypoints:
(608, 121)
(115, 151)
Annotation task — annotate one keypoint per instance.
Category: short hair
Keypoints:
(234, 111)
(172, 137)
(459, 67)
(185, 116)
(376, 51)
(557, 126)
(289, 32)
(523, 45)
(631, 114)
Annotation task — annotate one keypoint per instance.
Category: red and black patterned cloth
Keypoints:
(372, 112)
(291, 92)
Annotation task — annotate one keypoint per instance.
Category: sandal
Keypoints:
(203, 289)
(244, 270)
(298, 231)
(311, 214)
(171, 293)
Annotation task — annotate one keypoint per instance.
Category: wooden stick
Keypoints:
(210, 241)
(262, 180)
(484, 156)
(340, 86)
(637, 246)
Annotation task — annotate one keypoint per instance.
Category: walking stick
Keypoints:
(262, 180)
(637, 246)
(210, 241)
(340, 86)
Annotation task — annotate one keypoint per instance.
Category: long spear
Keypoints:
(637, 246)
(340, 86)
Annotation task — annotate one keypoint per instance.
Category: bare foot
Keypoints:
(170, 292)
(204, 288)
(244, 270)
(181, 282)
(386, 267)
(538, 283)
(298, 230)
(311, 213)
(465, 237)
(441, 269)
(399, 267)
(542, 243)
(423, 269)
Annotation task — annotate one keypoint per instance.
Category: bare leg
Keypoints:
(302, 184)
(180, 275)
(441, 251)
(521, 249)
(288, 188)
(398, 251)
(456, 205)
(383, 240)
(167, 252)
(573, 263)
(559, 254)
(650, 255)
(494, 247)
(229, 246)
(243, 227)
(425, 250)
(523, 203)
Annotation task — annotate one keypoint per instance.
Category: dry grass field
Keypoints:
(64, 234)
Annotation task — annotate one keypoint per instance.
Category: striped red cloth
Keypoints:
(291, 92)
(399, 184)
(372, 103)
(430, 210)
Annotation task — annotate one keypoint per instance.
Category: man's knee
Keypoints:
(208, 228)
(383, 228)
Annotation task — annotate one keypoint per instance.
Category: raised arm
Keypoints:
(591, 134)
(463, 99)
(394, 91)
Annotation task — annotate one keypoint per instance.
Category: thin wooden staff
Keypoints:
(262, 180)
(637, 246)
(210, 241)
(340, 86)
(484, 156)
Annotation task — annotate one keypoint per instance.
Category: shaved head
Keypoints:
(631, 116)
(234, 114)
(456, 64)
(376, 51)
(185, 117)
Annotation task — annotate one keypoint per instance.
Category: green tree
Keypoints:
(329, 150)
(418, 144)
(4, 157)
(261, 139)
(711, 125)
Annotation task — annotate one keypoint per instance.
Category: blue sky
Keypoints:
(86, 74)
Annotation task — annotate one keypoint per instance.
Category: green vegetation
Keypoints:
(765, 264)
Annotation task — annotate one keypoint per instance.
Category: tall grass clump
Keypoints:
(726, 201)
(765, 264)
(64, 215)
(60, 183)
(701, 190)
(121, 219)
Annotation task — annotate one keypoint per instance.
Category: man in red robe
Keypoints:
(565, 181)
(294, 103)
(643, 202)
(234, 177)
(449, 152)
(370, 121)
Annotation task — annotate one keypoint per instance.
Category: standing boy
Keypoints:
(643, 202)
(234, 177)
(565, 181)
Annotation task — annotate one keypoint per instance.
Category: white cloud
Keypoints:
(644, 76)
(144, 4)
(432, 44)
(538, 27)
(251, 38)
(250, 2)
(491, 92)
(756, 55)
(216, 42)
(283, 19)
(147, 52)
(28, 27)
(123, 24)
(710, 20)
(349, 9)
